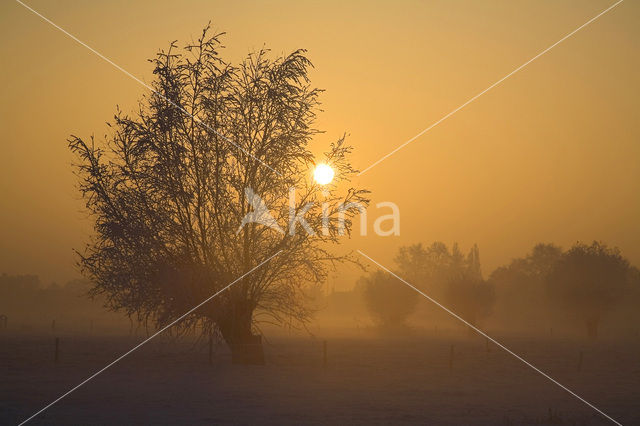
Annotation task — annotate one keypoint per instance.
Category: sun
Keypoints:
(323, 174)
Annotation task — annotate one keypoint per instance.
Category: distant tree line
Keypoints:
(30, 305)
(582, 286)
(584, 283)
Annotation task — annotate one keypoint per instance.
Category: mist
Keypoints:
(320, 213)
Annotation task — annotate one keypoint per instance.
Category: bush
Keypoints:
(388, 300)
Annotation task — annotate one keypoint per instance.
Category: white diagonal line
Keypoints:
(174, 322)
(155, 92)
(490, 87)
(493, 340)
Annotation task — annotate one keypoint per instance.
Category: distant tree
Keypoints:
(466, 292)
(520, 286)
(535, 265)
(449, 276)
(472, 267)
(542, 260)
(470, 297)
(168, 190)
(389, 301)
(589, 280)
(428, 267)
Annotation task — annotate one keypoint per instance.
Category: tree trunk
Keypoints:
(246, 348)
(592, 328)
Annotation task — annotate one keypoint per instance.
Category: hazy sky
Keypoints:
(551, 154)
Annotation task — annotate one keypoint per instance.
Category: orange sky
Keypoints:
(551, 154)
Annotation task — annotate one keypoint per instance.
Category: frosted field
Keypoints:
(366, 381)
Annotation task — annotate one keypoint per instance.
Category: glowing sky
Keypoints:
(549, 155)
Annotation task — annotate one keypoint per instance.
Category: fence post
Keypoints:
(580, 362)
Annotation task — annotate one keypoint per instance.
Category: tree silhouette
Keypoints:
(425, 266)
(445, 274)
(167, 190)
(469, 296)
(466, 292)
(588, 281)
(389, 301)
(449, 276)
(521, 285)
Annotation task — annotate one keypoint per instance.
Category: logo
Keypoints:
(384, 225)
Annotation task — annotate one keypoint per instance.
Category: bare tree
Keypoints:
(167, 190)
(589, 280)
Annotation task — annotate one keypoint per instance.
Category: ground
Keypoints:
(366, 381)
